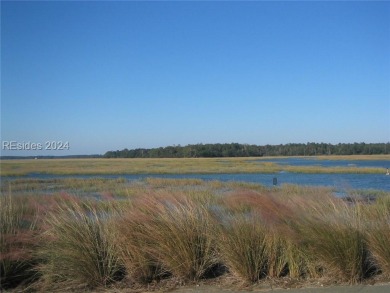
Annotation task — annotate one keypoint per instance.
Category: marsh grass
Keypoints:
(188, 230)
(132, 166)
(102, 166)
(377, 231)
(258, 241)
(134, 249)
(182, 233)
(79, 248)
(332, 231)
(17, 241)
(242, 247)
(165, 182)
(78, 185)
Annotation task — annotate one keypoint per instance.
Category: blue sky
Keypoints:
(112, 75)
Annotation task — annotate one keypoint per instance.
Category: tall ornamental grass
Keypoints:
(243, 247)
(256, 240)
(188, 231)
(176, 236)
(377, 230)
(17, 241)
(331, 230)
(135, 246)
(79, 248)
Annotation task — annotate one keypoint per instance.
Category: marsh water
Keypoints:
(340, 182)
(313, 161)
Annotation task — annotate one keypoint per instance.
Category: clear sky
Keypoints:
(113, 75)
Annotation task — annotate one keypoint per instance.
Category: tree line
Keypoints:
(247, 150)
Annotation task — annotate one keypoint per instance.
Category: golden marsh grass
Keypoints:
(102, 166)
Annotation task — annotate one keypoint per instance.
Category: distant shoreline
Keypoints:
(320, 157)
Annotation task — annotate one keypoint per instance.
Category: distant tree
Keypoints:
(245, 150)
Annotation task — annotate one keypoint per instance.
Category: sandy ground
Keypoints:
(378, 288)
(228, 284)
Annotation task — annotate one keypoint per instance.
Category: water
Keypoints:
(313, 161)
(340, 182)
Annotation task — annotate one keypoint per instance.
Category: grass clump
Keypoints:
(377, 231)
(256, 240)
(177, 235)
(243, 247)
(135, 247)
(331, 230)
(78, 247)
(17, 241)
